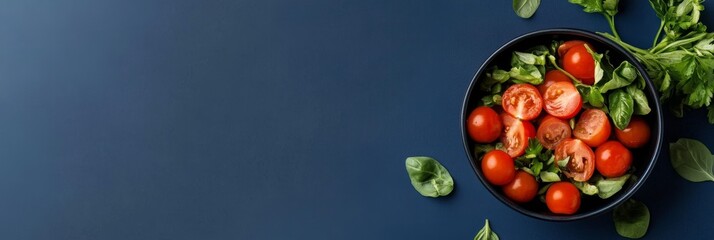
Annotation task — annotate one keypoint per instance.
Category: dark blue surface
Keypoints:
(268, 119)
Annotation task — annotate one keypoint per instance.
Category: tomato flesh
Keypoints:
(523, 101)
(563, 198)
(516, 134)
(635, 135)
(593, 127)
(612, 159)
(552, 131)
(562, 100)
(552, 76)
(580, 63)
(581, 163)
(484, 125)
(523, 188)
(498, 167)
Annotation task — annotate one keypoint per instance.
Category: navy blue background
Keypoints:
(266, 119)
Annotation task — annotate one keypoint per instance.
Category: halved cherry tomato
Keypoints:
(484, 125)
(552, 76)
(581, 164)
(522, 189)
(593, 127)
(523, 101)
(516, 134)
(564, 47)
(635, 135)
(552, 131)
(612, 159)
(498, 168)
(562, 100)
(563, 198)
(580, 63)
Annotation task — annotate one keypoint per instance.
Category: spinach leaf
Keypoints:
(642, 107)
(485, 233)
(621, 108)
(525, 8)
(609, 186)
(692, 160)
(429, 177)
(632, 218)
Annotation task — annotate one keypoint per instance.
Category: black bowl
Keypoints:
(644, 158)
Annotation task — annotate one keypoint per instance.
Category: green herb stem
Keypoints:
(611, 22)
(659, 32)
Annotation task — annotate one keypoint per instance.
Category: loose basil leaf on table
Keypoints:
(485, 233)
(692, 160)
(429, 177)
(621, 106)
(632, 218)
(525, 8)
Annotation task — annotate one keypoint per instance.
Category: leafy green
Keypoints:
(632, 219)
(525, 8)
(607, 187)
(546, 176)
(692, 160)
(485, 233)
(586, 188)
(621, 108)
(642, 107)
(623, 76)
(591, 6)
(429, 177)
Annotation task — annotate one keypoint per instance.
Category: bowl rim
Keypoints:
(649, 88)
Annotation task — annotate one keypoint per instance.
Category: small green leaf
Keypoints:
(549, 177)
(586, 188)
(609, 186)
(590, 6)
(621, 108)
(622, 76)
(642, 107)
(692, 160)
(632, 219)
(525, 8)
(429, 177)
(485, 233)
(564, 162)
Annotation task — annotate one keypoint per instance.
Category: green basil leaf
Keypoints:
(525, 8)
(586, 188)
(692, 160)
(632, 219)
(526, 74)
(609, 186)
(486, 233)
(621, 108)
(546, 176)
(429, 177)
(599, 72)
(642, 107)
(622, 76)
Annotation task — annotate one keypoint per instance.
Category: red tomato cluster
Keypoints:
(523, 103)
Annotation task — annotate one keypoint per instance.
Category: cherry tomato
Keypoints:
(523, 101)
(484, 125)
(578, 62)
(564, 47)
(552, 131)
(593, 127)
(516, 134)
(552, 76)
(522, 189)
(498, 168)
(562, 100)
(612, 159)
(581, 164)
(563, 198)
(636, 134)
